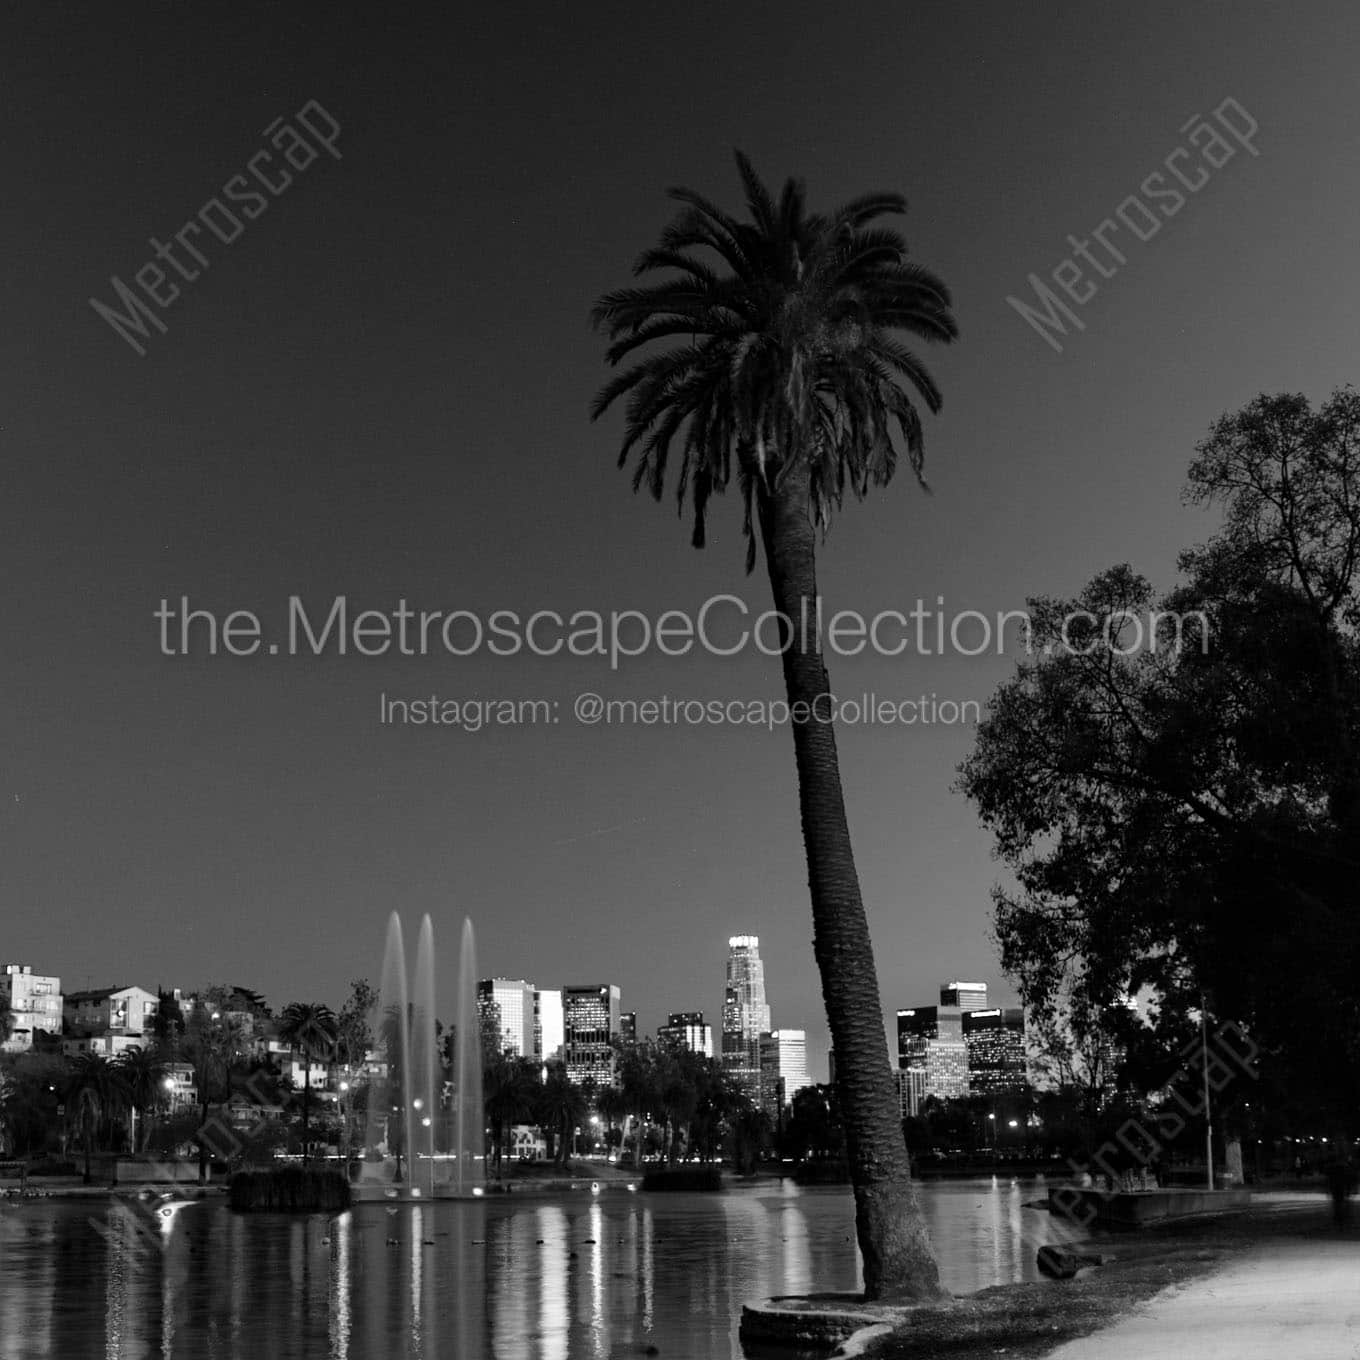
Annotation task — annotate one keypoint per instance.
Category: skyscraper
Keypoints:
(783, 1067)
(996, 1050)
(746, 1014)
(590, 1028)
(930, 1040)
(967, 996)
(689, 1029)
(507, 1007)
(548, 1024)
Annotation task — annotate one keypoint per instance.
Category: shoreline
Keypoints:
(1029, 1320)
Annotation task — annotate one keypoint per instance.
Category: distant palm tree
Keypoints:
(783, 372)
(308, 1027)
(509, 1091)
(94, 1094)
(143, 1075)
(561, 1107)
(613, 1107)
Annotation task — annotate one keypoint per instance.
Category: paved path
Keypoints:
(1289, 1299)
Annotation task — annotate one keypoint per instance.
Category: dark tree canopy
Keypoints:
(1185, 818)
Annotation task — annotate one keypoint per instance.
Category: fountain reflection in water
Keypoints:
(425, 1131)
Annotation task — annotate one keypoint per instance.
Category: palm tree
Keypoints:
(786, 373)
(308, 1027)
(143, 1075)
(94, 1093)
(562, 1106)
(509, 1090)
(613, 1107)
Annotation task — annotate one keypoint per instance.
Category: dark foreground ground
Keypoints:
(1028, 1321)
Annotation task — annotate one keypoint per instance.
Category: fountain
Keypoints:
(425, 1129)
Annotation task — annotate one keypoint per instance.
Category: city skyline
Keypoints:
(815, 1059)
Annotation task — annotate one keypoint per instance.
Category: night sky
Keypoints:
(380, 388)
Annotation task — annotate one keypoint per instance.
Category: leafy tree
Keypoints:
(1183, 821)
(787, 375)
(31, 1084)
(212, 1043)
(169, 1023)
(814, 1131)
(353, 1026)
(309, 1028)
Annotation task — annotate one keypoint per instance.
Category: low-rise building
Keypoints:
(110, 1010)
(34, 1005)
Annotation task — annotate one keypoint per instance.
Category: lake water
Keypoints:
(577, 1277)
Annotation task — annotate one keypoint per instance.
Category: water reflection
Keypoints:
(576, 1278)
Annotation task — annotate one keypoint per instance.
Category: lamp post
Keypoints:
(1208, 1113)
(344, 1123)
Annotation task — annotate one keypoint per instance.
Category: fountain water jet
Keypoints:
(425, 1131)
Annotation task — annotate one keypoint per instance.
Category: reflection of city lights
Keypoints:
(418, 1103)
(478, 1191)
(426, 1121)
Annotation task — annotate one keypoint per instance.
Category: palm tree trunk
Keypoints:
(897, 1257)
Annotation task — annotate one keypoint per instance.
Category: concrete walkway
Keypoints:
(1289, 1299)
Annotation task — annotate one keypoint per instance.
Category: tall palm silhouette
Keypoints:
(143, 1074)
(309, 1028)
(783, 370)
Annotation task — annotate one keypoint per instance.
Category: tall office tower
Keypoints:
(746, 1014)
(548, 1024)
(967, 996)
(688, 1029)
(997, 1058)
(783, 1068)
(34, 1003)
(590, 1028)
(911, 1090)
(628, 1027)
(930, 1040)
(512, 1020)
